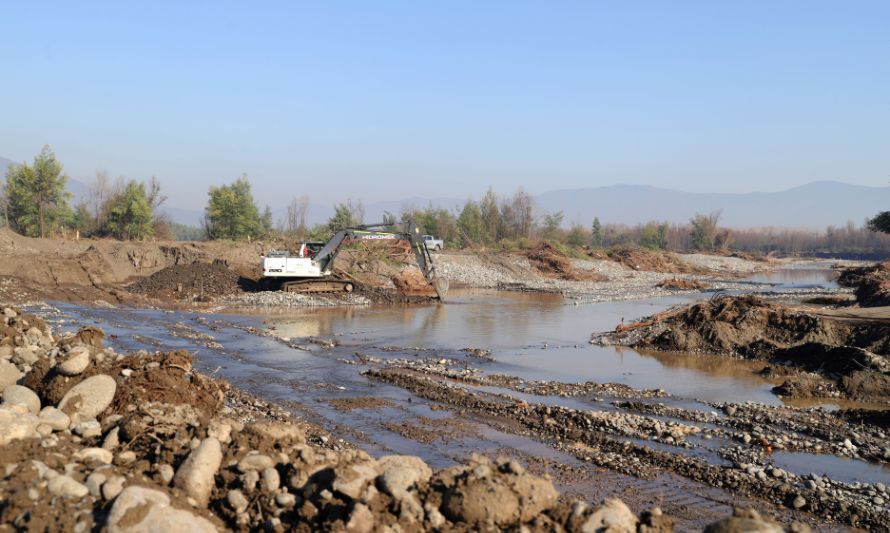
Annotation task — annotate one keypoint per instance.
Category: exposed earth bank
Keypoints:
(824, 354)
(94, 440)
(211, 273)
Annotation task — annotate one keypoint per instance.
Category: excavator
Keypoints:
(309, 269)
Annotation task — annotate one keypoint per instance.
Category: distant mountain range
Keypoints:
(814, 205)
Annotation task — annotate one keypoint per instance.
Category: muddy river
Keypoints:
(531, 336)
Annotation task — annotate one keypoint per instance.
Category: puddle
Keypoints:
(838, 468)
(816, 276)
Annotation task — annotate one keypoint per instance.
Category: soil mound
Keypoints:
(873, 289)
(195, 281)
(648, 260)
(551, 262)
(682, 284)
(750, 327)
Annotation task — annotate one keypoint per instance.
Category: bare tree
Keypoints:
(296, 216)
(155, 198)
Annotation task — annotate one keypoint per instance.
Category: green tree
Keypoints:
(596, 233)
(491, 218)
(343, 218)
(36, 196)
(704, 231)
(131, 214)
(231, 212)
(470, 224)
(552, 222)
(881, 222)
(654, 236)
(576, 236)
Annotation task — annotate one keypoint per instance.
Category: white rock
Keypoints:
(271, 480)
(26, 355)
(94, 455)
(77, 361)
(16, 422)
(112, 439)
(401, 472)
(144, 510)
(255, 461)
(237, 501)
(113, 487)
(9, 374)
(166, 473)
(196, 474)
(613, 516)
(54, 418)
(87, 429)
(19, 395)
(67, 487)
(94, 484)
(285, 499)
(89, 398)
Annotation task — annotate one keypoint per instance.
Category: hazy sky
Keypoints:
(384, 100)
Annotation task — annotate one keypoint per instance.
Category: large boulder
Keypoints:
(16, 422)
(144, 510)
(89, 398)
(19, 395)
(196, 474)
(9, 374)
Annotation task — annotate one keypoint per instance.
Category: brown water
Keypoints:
(536, 336)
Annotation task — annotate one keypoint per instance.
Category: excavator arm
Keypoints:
(325, 257)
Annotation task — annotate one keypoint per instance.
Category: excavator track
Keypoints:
(318, 285)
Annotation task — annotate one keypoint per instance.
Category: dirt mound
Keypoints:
(682, 284)
(548, 260)
(873, 289)
(754, 328)
(194, 281)
(649, 260)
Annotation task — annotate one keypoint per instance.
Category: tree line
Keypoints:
(35, 203)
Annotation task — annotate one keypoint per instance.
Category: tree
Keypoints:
(704, 231)
(470, 224)
(131, 215)
(342, 218)
(552, 222)
(491, 219)
(296, 216)
(881, 222)
(231, 212)
(576, 236)
(36, 196)
(596, 233)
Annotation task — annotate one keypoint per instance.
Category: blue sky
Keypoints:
(385, 100)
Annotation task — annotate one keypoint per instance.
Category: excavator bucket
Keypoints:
(441, 287)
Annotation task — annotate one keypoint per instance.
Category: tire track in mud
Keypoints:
(571, 431)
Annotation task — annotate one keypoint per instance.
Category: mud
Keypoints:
(852, 353)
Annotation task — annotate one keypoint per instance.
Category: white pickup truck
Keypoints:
(433, 244)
